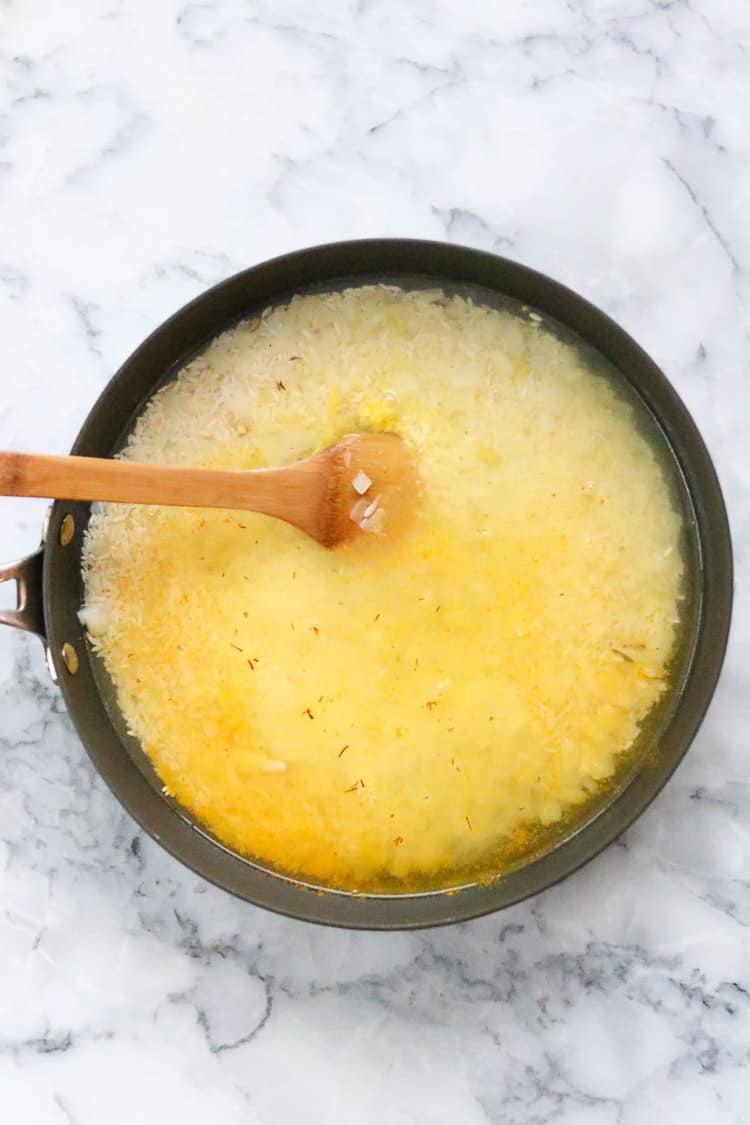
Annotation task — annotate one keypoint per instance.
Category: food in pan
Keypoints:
(421, 709)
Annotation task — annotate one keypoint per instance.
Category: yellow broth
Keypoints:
(421, 707)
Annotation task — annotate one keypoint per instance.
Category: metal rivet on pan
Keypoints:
(67, 530)
(70, 658)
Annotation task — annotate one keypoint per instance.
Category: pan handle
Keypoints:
(27, 574)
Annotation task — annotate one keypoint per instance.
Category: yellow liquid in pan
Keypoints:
(399, 715)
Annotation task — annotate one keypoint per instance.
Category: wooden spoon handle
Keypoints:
(93, 478)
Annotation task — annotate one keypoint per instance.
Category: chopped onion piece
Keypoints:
(358, 511)
(371, 508)
(373, 523)
(361, 483)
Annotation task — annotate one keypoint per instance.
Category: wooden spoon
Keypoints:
(333, 495)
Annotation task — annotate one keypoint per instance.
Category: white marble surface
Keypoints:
(148, 150)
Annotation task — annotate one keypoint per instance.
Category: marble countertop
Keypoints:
(149, 150)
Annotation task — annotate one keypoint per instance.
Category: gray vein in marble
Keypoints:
(67, 1115)
(706, 216)
(217, 1045)
(541, 1094)
(461, 225)
(87, 313)
(405, 110)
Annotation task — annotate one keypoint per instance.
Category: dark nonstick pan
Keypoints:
(50, 587)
